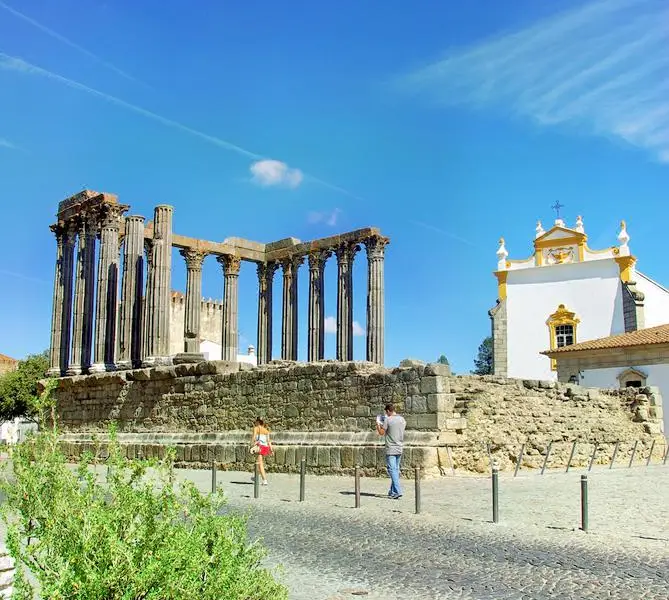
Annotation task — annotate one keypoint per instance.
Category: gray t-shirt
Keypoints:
(394, 427)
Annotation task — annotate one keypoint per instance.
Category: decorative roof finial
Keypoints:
(579, 224)
(558, 220)
(501, 255)
(540, 230)
(624, 238)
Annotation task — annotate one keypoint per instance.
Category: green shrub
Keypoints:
(139, 536)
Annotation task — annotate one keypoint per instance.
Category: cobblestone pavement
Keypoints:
(383, 550)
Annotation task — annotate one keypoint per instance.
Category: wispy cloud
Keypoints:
(443, 232)
(64, 40)
(331, 327)
(5, 143)
(13, 63)
(602, 69)
(5, 273)
(329, 218)
(272, 173)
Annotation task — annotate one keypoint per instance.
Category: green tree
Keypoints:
(19, 389)
(442, 360)
(483, 361)
(139, 536)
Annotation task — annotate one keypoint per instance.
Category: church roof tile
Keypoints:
(641, 337)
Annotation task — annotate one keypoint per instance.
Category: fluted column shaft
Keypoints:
(130, 322)
(84, 294)
(265, 286)
(158, 347)
(194, 260)
(230, 341)
(345, 254)
(316, 327)
(147, 320)
(375, 298)
(107, 294)
(61, 318)
(289, 324)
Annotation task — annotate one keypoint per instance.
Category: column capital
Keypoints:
(318, 258)
(230, 264)
(346, 251)
(375, 246)
(194, 258)
(109, 216)
(265, 272)
(291, 263)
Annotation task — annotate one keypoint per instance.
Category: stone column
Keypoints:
(106, 313)
(289, 324)
(158, 310)
(375, 298)
(316, 340)
(84, 295)
(345, 254)
(230, 341)
(61, 318)
(265, 284)
(194, 260)
(147, 319)
(130, 322)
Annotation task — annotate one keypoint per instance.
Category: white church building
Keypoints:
(566, 293)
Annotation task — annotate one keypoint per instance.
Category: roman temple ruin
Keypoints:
(96, 329)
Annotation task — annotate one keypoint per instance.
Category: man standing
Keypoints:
(392, 427)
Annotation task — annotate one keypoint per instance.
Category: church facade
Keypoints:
(566, 293)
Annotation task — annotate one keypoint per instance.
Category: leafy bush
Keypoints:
(139, 536)
(19, 389)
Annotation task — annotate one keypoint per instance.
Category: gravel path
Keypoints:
(331, 550)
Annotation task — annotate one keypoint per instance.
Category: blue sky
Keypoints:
(447, 125)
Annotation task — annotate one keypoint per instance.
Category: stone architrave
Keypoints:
(289, 324)
(106, 314)
(84, 295)
(130, 322)
(345, 255)
(194, 259)
(230, 343)
(158, 347)
(375, 297)
(316, 326)
(61, 319)
(265, 287)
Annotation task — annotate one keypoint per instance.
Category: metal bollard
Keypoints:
(584, 502)
(666, 453)
(213, 477)
(592, 458)
(633, 453)
(650, 454)
(548, 453)
(256, 481)
(615, 452)
(303, 471)
(495, 494)
(417, 477)
(571, 456)
(357, 486)
(450, 460)
(487, 447)
(520, 458)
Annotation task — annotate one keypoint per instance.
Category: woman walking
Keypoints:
(260, 440)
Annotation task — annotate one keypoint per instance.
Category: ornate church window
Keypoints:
(562, 325)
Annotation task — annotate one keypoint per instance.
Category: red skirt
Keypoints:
(264, 450)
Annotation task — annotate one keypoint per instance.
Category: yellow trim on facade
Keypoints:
(625, 264)
(561, 316)
(501, 283)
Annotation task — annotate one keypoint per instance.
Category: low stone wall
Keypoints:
(324, 412)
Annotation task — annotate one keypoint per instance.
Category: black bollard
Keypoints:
(256, 482)
(357, 486)
(633, 453)
(213, 477)
(417, 477)
(548, 453)
(495, 494)
(615, 452)
(303, 471)
(571, 456)
(650, 454)
(584, 502)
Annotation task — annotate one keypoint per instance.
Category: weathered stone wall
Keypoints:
(325, 413)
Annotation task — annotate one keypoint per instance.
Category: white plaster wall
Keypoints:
(213, 351)
(607, 378)
(590, 289)
(656, 301)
